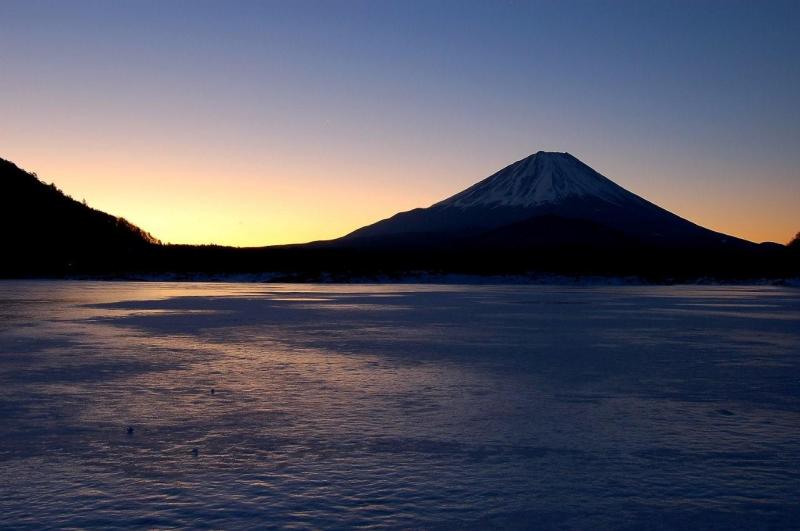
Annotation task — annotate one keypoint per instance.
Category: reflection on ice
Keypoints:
(398, 406)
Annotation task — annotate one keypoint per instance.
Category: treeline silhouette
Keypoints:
(49, 234)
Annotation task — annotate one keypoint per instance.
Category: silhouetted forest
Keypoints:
(49, 234)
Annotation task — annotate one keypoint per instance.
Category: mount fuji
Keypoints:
(546, 214)
(548, 199)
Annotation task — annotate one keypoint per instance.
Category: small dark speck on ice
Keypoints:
(212, 390)
(130, 430)
(726, 412)
(195, 451)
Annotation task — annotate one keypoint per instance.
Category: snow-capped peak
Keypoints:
(544, 177)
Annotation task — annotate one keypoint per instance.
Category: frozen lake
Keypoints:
(398, 406)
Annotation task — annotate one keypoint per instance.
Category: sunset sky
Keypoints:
(254, 123)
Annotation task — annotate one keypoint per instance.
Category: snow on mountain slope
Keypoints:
(541, 178)
(543, 184)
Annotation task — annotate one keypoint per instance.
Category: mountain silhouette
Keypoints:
(548, 213)
(47, 231)
(544, 185)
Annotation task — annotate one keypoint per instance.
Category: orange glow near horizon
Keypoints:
(283, 122)
(261, 204)
(180, 204)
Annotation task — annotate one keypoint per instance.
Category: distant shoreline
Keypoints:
(420, 278)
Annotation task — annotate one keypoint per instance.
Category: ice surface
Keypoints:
(398, 406)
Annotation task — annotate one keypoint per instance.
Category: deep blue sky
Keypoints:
(266, 122)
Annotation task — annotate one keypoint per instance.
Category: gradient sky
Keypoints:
(252, 123)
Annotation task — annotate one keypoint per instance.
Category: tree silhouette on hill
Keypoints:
(45, 230)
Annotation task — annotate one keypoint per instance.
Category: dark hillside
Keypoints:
(48, 232)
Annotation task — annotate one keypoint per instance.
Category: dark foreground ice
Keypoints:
(398, 406)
